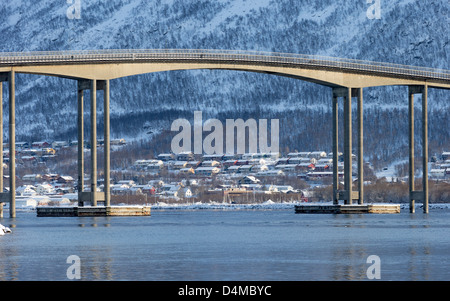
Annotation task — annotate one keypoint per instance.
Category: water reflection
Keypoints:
(418, 265)
(97, 265)
(349, 262)
(9, 269)
(232, 245)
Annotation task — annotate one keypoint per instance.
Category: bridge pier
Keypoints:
(93, 142)
(335, 110)
(1, 145)
(80, 135)
(348, 172)
(360, 147)
(9, 196)
(93, 196)
(12, 144)
(106, 144)
(413, 194)
(348, 195)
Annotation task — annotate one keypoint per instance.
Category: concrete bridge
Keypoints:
(347, 78)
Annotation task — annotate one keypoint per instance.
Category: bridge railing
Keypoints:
(229, 56)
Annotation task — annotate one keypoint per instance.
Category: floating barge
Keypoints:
(347, 209)
(93, 211)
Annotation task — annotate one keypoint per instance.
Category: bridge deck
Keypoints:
(224, 57)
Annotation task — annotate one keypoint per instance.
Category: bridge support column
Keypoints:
(411, 150)
(425, 147)
(414, 195)
(93, 196)
(335, 110)
(348, 147)
(348, 195)
(12, 144)
(106, 145)
(1, 146)
(93, 142)
(360, 147)
(11, 195)
(80, 128)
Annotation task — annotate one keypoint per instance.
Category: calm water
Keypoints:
(228, 245)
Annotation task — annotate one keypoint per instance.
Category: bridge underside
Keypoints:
(330, 78)
(346, 85)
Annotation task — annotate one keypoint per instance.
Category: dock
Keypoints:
(93, 211)
(347, 209)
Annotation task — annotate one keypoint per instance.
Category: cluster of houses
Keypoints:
(41, 151)
(35, 151)
(304, 164)
(156, 188)
(242, 171)
(47, 184)
(440, 168)
(193, 188)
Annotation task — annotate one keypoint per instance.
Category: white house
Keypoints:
(207, 171)
(210, 163)
(185, 156)
(245, 168)
(187, 171)
(249, 180)
(271, 173)
(185, 192)
(45, 188)
(166, 157)
(179, 164)
(437, 173)
(156, 166)
(59, 144)
(325, 161)
(281, 188)
(259, 168)
(317, 154)
(31, 177)
(170, 190)
(298, 154)
(22, 145)
(216, 157)
(119, 189)
(26, 190)
(126, 182)
(156, 183)
(249, 156)
(285, 167)
(142, 164)
(445, 156)
(65, 179)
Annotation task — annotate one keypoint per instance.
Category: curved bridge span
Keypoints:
(328, 71)
(93, 70)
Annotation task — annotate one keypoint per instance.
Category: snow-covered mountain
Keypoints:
(412, 32)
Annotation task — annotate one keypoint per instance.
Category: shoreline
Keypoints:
(253, 206)
(268, 205)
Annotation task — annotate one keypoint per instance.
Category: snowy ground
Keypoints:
(389, 171)
(269, 205)
(4, 230)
